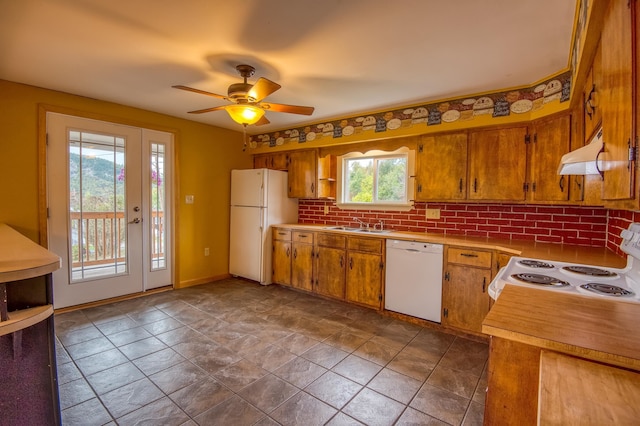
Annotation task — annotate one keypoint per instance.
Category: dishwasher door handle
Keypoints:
(412, 250)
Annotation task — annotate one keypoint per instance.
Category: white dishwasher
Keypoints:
(413, 280)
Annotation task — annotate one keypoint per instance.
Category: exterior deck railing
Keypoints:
(98, 238)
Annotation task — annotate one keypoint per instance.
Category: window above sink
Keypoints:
(376, 180)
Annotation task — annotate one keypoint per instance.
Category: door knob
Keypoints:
(136, 209)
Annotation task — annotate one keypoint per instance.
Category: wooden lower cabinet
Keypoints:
(302, 260)
(281, 257)
(365, 270)
(528, 385)
(512, 390)
(331, 259)
(465, 297)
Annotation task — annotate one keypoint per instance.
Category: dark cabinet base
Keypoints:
(28, 378)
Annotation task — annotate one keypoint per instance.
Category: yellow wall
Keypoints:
(205, 156)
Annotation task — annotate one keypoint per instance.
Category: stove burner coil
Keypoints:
(607, 290)
(543, 280)
(590, 271)
(535, 264)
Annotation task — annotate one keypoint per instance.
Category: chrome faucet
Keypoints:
(362, 224)
(381, 223)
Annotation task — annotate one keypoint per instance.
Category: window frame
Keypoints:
(405, 205)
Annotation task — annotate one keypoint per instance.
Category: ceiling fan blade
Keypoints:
(263, 120)
(202, 92)
(200, 111)
(292, 109)
(262, 89)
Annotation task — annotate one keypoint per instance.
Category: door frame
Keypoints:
(43, 226)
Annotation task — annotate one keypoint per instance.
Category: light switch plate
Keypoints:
(433, 214)
(189, 199)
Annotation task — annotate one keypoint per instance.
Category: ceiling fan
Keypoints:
(247, 107)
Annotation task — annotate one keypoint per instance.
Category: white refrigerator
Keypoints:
(258, 200)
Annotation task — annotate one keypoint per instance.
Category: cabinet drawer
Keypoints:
(369, 245)
(303, 237)
(281, 234)
(332, 240)
(479, 258)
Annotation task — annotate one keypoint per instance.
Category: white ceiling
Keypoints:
(342, 57)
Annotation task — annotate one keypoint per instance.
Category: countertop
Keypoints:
(583, 326)
(21, 258)
(599, 256)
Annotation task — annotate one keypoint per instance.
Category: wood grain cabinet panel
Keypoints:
(551, 140)
(442, 167)
(302, 271)
(498, 164)
(303, 174)
(465, 297)
(331, 259)
(616, 100)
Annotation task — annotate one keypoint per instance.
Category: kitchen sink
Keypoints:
(342, 228)
(363, 230)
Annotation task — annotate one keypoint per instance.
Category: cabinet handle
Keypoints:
(484, 284)
(460, 187)
(351, 263)
(313, 188)
(598, 159)
(295, 253)
(475, 184)
(341, 261)
(303, 236)
(468, 254)
(288, 252)
(589, 107)
(561, 183)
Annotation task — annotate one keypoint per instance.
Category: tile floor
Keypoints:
(237, 353)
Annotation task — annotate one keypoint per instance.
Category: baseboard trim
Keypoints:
(199, 281)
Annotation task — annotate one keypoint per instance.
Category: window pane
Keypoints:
(158, 228)
(392, 175)
(96, 205)
(359, 181)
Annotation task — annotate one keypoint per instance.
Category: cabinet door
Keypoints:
(281, 261)
(364, 279)
(551, 141)
(275, 161)
(330, 276)
(498, 164)
(442, 167)
(617, 101)
(302, 174)
(302, 266)
(465, 299)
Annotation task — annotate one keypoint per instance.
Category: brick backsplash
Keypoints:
(619, 220)
(585, 226)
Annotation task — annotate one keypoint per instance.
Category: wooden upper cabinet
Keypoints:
(591, 97)
(303, 172)
(441, 172)
(498, 164)
(275, 161)
(551, 140)
(616, 100)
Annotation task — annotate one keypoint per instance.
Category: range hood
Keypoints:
(584, 161)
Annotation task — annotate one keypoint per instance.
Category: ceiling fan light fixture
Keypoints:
(245, 114)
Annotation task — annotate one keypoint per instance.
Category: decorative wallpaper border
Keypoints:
(494, 105)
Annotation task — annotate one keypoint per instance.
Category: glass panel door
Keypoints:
(97, 196)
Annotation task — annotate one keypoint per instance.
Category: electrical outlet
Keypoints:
(189, 199)
(206, 251)
(433, 214)
(326, 209)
